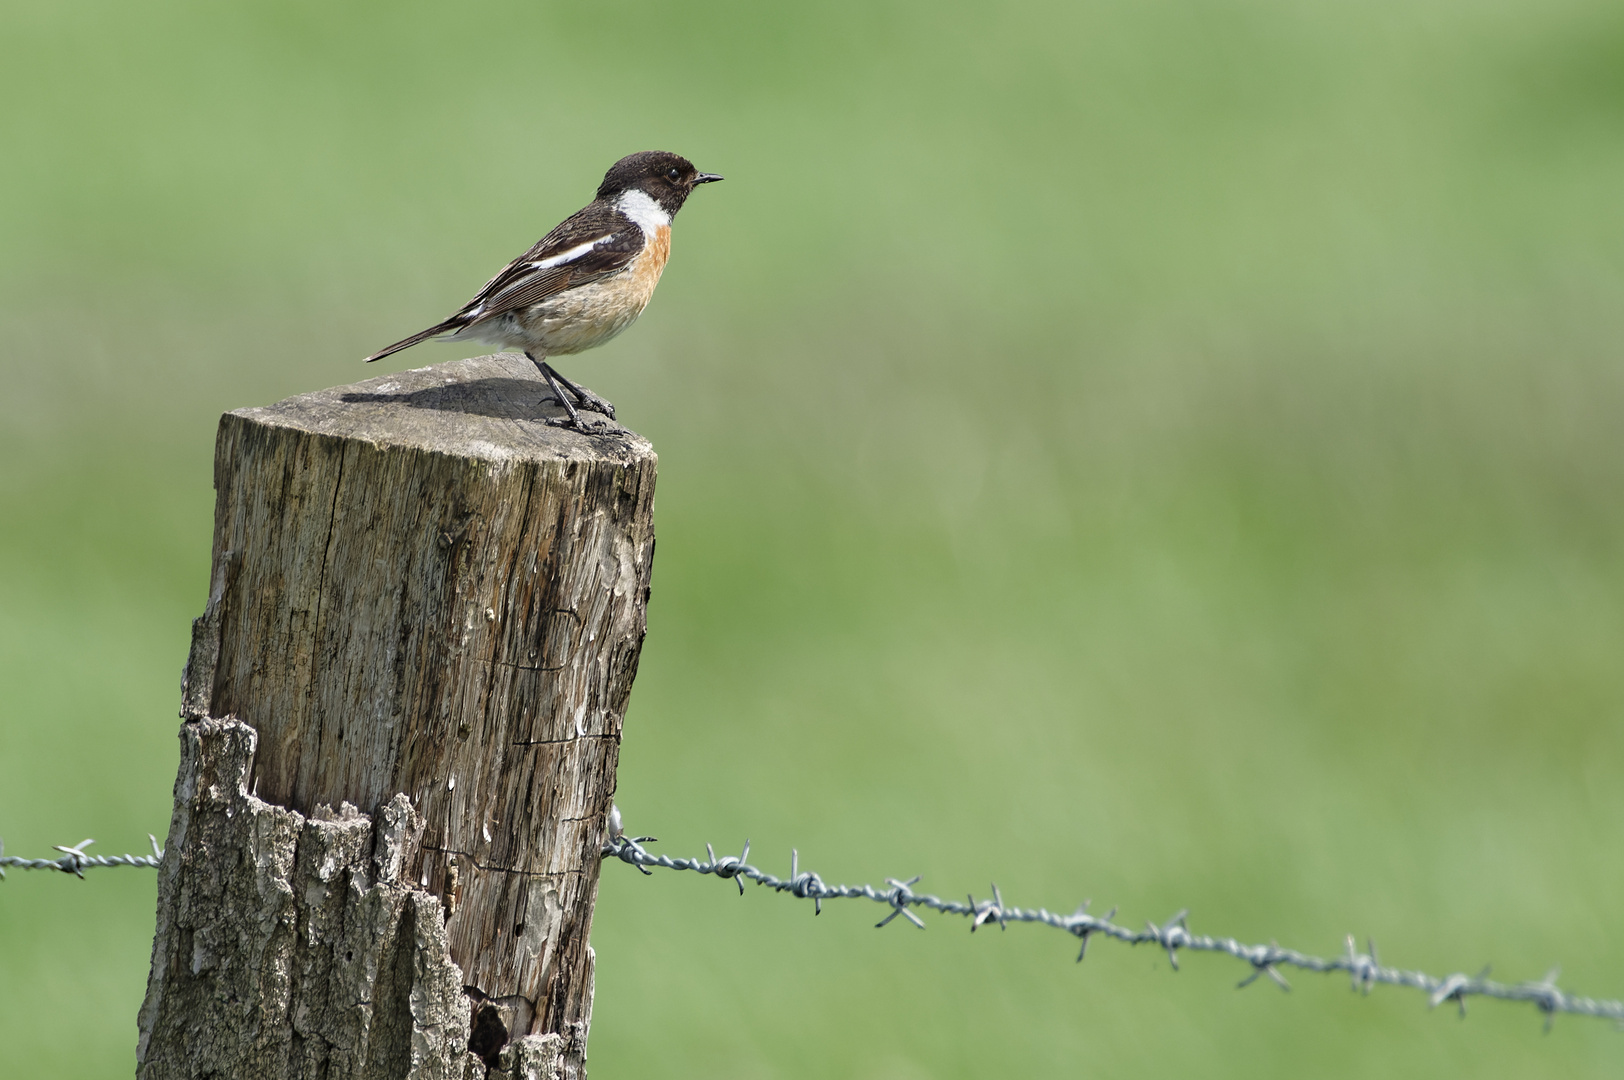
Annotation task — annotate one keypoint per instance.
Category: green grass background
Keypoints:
(1162, 451)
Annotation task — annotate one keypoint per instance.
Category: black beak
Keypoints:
(706, 178)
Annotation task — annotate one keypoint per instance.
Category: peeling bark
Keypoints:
(289, 946)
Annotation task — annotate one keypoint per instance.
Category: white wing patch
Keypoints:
(572, 254)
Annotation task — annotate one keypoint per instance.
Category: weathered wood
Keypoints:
(292, 946)
(420, 588)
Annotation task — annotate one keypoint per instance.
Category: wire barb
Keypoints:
(1172, 935)
(1546, 997)
(989, 910)
(901, 896)
(1083, 924)
(1265, 962)
(1362, 968)
(807, 884)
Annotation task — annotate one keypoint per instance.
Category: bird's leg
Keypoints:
(541, 368)
(558, 392)
(586, 398)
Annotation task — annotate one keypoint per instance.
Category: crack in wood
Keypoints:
(538, 668)
(558, 742)
(491, 868)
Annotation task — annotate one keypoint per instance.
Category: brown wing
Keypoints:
(592, 243)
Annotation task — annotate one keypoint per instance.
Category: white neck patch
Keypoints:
(642, 209)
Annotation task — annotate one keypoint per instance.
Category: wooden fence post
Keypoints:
(403, 713)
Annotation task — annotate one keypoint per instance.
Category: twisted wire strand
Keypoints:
(1362, 967)
(73, 859)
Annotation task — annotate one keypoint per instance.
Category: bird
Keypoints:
(584, 282)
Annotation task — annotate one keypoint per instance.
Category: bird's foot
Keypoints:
(582, 425)
(586, 399)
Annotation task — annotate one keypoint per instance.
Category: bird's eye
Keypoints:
(673, 174)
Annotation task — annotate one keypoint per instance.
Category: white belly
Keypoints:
(583, 318)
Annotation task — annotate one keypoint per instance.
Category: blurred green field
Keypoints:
(1166, 452)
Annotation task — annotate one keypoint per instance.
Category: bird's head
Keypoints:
(666, 178)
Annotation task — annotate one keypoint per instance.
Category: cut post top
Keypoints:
(494, 408)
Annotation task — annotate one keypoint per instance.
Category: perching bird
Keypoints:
(585, 281)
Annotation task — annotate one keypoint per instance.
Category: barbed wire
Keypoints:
(1173, 935)
(1363, 968)
(74, 860)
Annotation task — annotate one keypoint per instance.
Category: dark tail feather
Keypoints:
(421, 335)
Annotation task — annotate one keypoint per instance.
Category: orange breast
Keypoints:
(648, 265)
